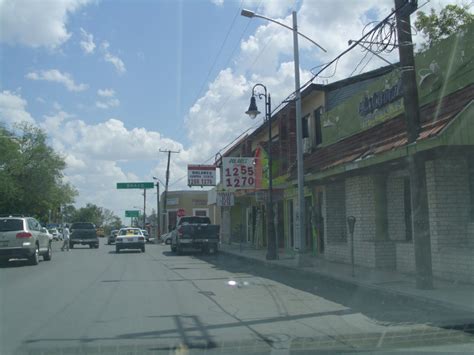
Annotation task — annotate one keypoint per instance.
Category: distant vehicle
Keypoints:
(50, 236)
(55, 233)
(148, 239)
(83, 233)
(100, 232)
(166, 238)
(23, 238)
(195, 232)
(130, 238)
(112, 236)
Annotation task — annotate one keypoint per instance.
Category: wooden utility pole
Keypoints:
(166, 186)
(416, 162)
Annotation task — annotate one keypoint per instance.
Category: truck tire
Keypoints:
(143, 249)
(212, 249)
(173, 248)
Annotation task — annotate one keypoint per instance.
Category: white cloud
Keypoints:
(114, 102)
(13, 108)
(218, 2)
(36, 23)
(109, 100)
(113, 59)
(106, 92)
(87, 42)
(56, 76)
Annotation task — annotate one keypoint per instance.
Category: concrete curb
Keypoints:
(356, 283)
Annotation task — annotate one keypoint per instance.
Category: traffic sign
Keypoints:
(135, 185)
(132, 213)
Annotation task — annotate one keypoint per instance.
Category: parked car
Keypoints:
(112, 236)
(55, 233)
(130, 238)
(166, 238)
(83, 233)
(148, 239)
(194, 232)
(23, 238)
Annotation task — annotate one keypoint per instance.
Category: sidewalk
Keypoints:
(459, 296)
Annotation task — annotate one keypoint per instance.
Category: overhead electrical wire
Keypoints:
(381, 34)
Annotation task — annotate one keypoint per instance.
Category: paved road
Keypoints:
(94, 301)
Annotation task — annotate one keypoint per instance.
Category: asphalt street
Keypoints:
(94, 301)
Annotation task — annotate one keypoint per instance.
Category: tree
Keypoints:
(31, 174)
(435, 27)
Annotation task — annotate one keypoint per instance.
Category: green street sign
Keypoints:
(135, 185)
(132, 213)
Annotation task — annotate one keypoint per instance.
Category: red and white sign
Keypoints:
(201, 175)
(181, 212)
(238, 173)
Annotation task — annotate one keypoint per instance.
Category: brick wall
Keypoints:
(335, 216)
(405, 257)
(448, 201)
(449, 206)
(456, 264)
(396, 207)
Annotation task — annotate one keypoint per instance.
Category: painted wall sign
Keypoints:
(380, 99)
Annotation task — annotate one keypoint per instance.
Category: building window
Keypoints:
(318, 136)
(201, 212)
(306, 126)
(407, 208)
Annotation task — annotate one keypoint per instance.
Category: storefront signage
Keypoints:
(201, 175)
(172, 201)
(380, 99)
(225, 199)
(238, 173)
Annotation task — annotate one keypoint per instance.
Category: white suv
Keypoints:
(23, 237)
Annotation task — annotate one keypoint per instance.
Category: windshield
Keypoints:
(9, 225)
(82, 226)
(236, 176)
(129, 232)
(195, 220)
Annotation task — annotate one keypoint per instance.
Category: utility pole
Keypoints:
(144, 208)
(416, 162)
(166, 185)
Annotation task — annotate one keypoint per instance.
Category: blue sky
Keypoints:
(112, 82)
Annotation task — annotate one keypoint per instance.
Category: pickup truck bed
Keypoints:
(195, 233)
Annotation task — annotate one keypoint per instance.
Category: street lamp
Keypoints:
(299, 125)
(254, 112)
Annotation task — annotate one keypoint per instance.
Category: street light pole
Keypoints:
(253, 112)
(301, 223)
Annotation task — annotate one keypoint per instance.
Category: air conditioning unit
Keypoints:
(306, 145)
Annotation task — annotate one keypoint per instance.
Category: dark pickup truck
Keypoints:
(195, 233)
(83, 233)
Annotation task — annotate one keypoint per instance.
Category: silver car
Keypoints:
(23, 238)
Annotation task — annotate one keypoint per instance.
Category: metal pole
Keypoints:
(144, 208)
(271, 235)
(299, 145)
(158, 226)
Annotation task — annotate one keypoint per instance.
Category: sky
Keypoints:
(114, 82)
